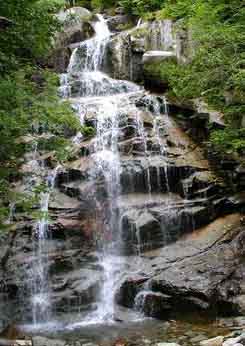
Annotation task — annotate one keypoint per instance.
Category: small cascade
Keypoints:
(108, 165)
(12, 207)
(65, 88)
(187, 187)
(89, 56)
(94, 95)
(161, 35)
(140, 21)
(141, 298)
(40, 297)
(161, 121)
(143, 136)
(166, 34)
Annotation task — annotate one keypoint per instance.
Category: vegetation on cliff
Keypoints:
(216, 67)
(28, 93)
(215, 71)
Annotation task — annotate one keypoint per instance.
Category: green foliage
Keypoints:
(88, 131)
(229, 141)
(30, 35)
(102, 4)
(216, 67)
(30, 104)
(29, 99)
(141, 7)
(59, 146)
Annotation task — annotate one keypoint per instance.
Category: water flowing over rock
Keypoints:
(136, 217)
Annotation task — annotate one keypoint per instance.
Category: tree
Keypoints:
(30, 35)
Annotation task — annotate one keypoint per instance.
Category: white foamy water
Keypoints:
(104, 101)
(40, 297)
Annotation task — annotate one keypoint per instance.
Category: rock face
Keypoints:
(165, 197)
(126, 50)
(157, 56)
(201, 273)
(76, 28)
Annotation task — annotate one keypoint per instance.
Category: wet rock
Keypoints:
(153, 304)
(167, 344)
(152, 57)
(185, 273)
(76, 28)
(128, 291)
(239, 301)
(217, 341)
(119, 22)
(42, 341)
(125, 61)
(197, 339)
(142, 229)
(234, 341)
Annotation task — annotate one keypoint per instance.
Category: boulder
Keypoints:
(119, 22)
(235, 341)
(74, 14)
(43, 341)
(76, 28)
(153, 304)
(152, 57)
(167, 344)
(182, 271)
(217, 341)
(140, 230)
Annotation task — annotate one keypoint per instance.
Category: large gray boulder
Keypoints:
(203, 272)
(152, 57)
(76, 28)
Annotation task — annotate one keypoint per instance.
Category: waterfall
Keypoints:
(40, 297)
(167, 34)
(139, 23)
(94, 94)
(11, 213)
(108, 99)
(92, 49)
(162, 36)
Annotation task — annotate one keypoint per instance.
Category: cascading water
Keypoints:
(40, 297)
(91, 51)
(93, 92)
(126, 186)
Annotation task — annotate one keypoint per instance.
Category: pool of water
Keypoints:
(140, 331)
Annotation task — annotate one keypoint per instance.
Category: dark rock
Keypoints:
(205, 279)
(58, 59)
(119, 22)
(41, 341)
(153, 304)
(126, 294)
(5, 23)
